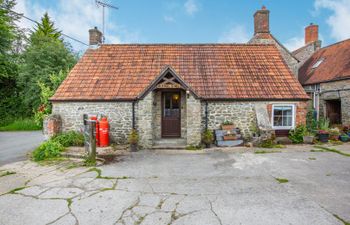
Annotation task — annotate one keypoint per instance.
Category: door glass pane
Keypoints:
(172, 105)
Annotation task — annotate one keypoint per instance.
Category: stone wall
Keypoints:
(194, 128)
(144, 120)
(119, 116)
(242, 114)
(286, 55)
(336, 90)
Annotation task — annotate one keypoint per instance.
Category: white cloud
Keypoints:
(76, 23)
(237, 34)
(169, 19)
(191, 7)
(339, 20)
(294, 43)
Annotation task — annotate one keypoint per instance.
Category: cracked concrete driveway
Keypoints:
(219, 187)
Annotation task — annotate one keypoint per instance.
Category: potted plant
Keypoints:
(308, 137)
(323, 136)
(334, 134)
(207, 138)
(133, 140)
(344, 137)
(323, 127)
(227, 125)
(346, 130)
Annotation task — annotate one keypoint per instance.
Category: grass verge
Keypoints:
(332, 150)
(7, 173)
(26, 124)
(265, 152)
(281, 180)
(341, 219)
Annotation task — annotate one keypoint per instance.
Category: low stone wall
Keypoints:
(119, 116)
(242, 114)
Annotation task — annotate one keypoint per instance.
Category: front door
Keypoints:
(333, 111)
(171, 114)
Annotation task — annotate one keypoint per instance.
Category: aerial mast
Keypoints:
(104, 4)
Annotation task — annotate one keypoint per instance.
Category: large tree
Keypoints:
(46, 54)
(9, 32)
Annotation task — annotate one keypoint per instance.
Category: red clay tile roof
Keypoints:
(213, 71)
(335, 64)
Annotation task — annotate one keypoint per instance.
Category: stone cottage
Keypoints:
(173, 92)
(325, 76)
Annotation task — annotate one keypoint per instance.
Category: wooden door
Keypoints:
(171, 114)
(333, 109)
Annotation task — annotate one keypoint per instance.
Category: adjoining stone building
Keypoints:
(325, 76)
(176, 91)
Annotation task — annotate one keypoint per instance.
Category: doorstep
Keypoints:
(169, 143)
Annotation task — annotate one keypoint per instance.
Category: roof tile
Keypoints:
(213, 71)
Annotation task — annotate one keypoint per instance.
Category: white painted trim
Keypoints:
(293, 117)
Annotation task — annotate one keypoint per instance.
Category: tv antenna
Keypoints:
(104, 4)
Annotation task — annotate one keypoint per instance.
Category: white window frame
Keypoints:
(273, 115)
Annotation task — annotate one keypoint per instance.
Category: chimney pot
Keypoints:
(311, 33)
(261, 21)
(95, 37)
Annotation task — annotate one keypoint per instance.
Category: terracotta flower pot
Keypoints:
(230, 138)
(227, 127)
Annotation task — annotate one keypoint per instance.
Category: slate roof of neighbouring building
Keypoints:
(327, 64)
(212, 71)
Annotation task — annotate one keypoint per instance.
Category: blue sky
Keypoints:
(193, 21)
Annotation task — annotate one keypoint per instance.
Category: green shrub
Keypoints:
(311, 121)
(269, 143)
(48, 149)
(21, 125)
(133, 137)
(296, 135)
(323, 124)
(70, 138)
(207, 137)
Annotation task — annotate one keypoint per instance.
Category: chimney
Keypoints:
(95, 37)
(261, 21)
(311, 33)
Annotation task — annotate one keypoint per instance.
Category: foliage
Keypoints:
(40, 60)
(269, 143)
(296, 135)
(21, 125)
(323, 124)
(133, 137)
(70, 138)
(46, 29)
(9, 34)
(334, 131)
(53, 147)
(48, 149)
(226, 122)
(193, 147)
(47, 91)
(207, 137)
(311, 121)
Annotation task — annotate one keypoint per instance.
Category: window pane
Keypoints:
(277, 121)
(287, 111)
(283, 116)
(287, 121)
